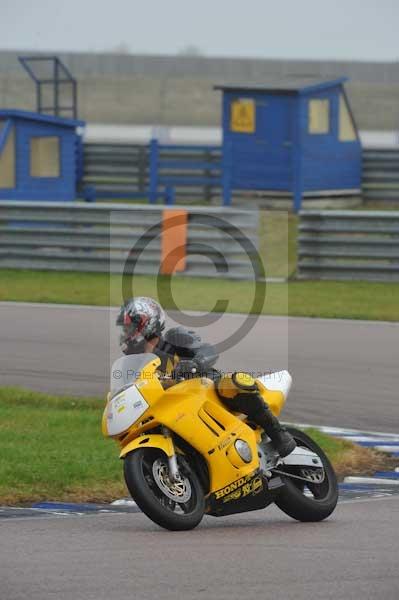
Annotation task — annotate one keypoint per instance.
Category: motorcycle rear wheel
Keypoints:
(177, 507)
(313, 501)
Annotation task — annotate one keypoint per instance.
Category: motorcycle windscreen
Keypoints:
(126, 370)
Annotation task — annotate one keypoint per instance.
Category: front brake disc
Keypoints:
(179, 491)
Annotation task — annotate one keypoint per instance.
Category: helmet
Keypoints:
(141, 319)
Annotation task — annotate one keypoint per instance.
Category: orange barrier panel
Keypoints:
(174, 241)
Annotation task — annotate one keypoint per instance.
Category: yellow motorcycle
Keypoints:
(185, 454)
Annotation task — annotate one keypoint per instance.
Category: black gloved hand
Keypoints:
(185, 369)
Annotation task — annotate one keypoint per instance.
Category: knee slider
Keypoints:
(231, 384)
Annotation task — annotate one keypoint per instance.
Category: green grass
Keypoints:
(334, 447)
(52, 448)
(348, 300)
(330, 299)
(278, 242)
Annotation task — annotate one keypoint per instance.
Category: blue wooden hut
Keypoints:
(297, 137)
(39, 156)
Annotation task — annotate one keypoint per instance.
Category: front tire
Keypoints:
(175, 507)
(313, 501)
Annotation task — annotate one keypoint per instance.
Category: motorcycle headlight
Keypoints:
(243, 450)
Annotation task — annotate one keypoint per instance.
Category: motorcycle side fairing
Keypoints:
(250, 493)
(191, 410)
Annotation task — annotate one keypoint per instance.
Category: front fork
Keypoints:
(174, 473)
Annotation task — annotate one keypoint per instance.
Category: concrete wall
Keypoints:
(174, 90)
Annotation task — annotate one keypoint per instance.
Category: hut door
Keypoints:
(261, 157)
(273, 135)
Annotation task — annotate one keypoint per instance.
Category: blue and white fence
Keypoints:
(155, 171)
(181, 166)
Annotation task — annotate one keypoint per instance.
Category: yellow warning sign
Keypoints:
(243, 115)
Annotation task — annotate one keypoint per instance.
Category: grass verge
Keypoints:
(329, 299)
(351, 459)
(52, 448)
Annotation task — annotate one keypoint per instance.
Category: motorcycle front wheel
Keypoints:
(309, 501)
(176, 506)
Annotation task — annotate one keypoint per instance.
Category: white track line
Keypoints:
(387, 448)
(368, 499)
(372, 480)
(374, 439)
(123, 502)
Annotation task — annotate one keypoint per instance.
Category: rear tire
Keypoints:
(292, 500)
(151, 498)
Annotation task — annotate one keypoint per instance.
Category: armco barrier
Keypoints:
(348, 245)
(184, 169)
(98, 237)
(381, 174)
(147, 170)
(120, 169)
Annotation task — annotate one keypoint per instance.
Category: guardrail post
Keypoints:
(154, 165)
(170, 195)
(227, 164)
(297, 193)
(208, 175)
(79, 159)
(89, 193)
(142, 168)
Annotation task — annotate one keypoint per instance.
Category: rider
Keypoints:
(183, 354)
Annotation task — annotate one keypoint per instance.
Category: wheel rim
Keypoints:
(178, 491)
(177, 497)
(317, 489)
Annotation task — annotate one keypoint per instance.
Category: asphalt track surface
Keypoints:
(352, 556)
(345, 372)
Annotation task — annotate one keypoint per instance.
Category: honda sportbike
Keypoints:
(186, 455)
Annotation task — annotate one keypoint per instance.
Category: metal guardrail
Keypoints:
(188, 170)
(123, 170)
(116, 168)
(348, 245)
(98, 237)
(381, 174)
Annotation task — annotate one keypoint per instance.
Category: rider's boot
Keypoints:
(281, 438)
(240, 392)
